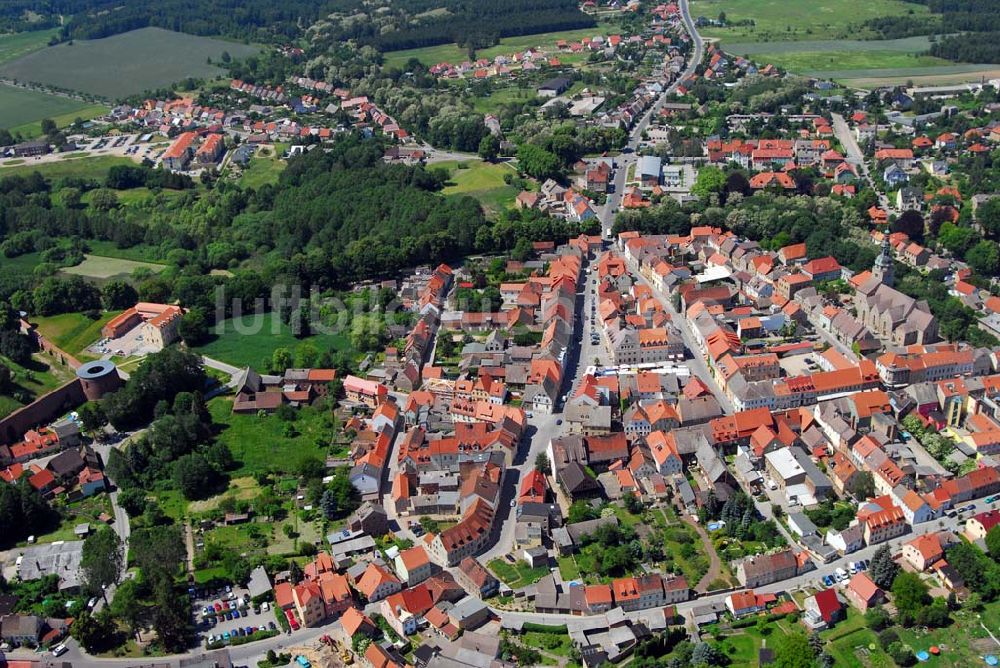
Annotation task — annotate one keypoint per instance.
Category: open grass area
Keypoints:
(239, 489)
(40, 375)
(781, 20)
(84, 168)
(124, 64)
(140, 253)
(556, 644)
(481, 180)
(85, 511)
(568, 568)
(518, 574)
(265, 443)
(252, 340)
(15, 45)
(452, 53)
(263, 169)
(21, 108)
(841, 62)
(96, 266)
(72, 331)
(929, 76)
(487, 104)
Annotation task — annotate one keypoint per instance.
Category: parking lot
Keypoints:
(222, 614)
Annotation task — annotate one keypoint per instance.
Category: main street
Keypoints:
(606, 213)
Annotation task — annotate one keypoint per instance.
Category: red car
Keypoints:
(218, 606)
(294, 623)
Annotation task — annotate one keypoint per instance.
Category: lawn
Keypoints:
(239, 488)
(452, 53)
(263, 444)
(481, 180)
(125, 64)
(82, 168)
(99, 267)
(39, 376)
(263, 169)
(517, 575)
(140, 253)
(568, 569)
(85, 511)
(20, 108)
(257, 338)
(557, 644)
(72, 332)
(488, 104)
(781, 20)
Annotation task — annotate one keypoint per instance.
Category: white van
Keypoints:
(59, 650)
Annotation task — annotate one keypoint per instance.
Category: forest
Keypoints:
(401, 24)
(418, 23)
(977, 19)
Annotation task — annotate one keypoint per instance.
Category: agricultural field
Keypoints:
(124, 64)
(103, 268)
(265, 443)
(252, 340)
(782, 21)
(85, 112)
(452, 53)
(13, 46)
(891, 60)
(21, 109)
(72, 331)
(481, 180)
(96, 168)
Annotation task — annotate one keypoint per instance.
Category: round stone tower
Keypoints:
(98, 378)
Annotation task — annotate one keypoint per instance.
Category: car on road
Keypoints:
(965, 509)
(559, 421)
(59, 650)
(991, 499)
(841, 574)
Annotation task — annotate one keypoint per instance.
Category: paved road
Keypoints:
(606, 213)
(855, 156)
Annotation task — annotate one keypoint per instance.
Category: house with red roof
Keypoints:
(863, 593)
(823, 610)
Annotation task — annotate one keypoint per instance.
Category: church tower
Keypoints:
(883, 268)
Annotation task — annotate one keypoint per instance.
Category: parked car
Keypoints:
(59, 650)
(827, 580)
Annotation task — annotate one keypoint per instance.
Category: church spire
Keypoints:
(883, 269)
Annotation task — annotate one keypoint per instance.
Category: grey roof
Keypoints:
(580, 529)
(259, 583)
(60, 558)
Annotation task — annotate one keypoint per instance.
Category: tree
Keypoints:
(909, 592)
(489, 147)
(133, 501)
(581, 511)
(194, 476)
(92, 416)
(118, 295)
(882, 568)
(102, 559)
(93, 632)
(993, 542)
(6, 379)
(710, 180)
(542, 463)
(328, 503)
(984, 258)
(49, 126)
(877, 619)
(910, 223)
(794, 651)
(194, 326)
(705, 655)
(281, 360)
(537, 162)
